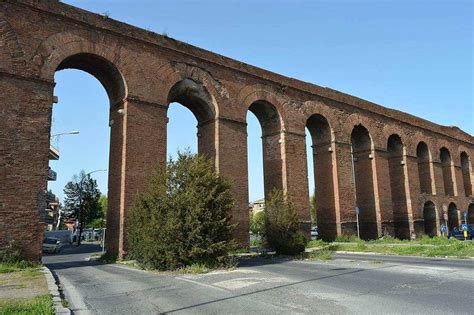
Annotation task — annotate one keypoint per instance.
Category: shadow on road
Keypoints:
(72, 256)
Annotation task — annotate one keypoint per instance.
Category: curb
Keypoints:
(53, 288)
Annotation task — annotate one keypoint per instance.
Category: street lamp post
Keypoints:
(74, 132)
(81, 183)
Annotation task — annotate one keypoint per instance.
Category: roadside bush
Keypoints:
(281, 226)
(11, 254)
(257, 222)
(183, 218)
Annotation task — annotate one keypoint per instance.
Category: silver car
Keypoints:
(52, 245)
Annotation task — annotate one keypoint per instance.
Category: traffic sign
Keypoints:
(465, 215)
(357, 210)
(464, 227)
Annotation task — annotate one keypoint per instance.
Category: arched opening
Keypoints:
(195, 98)
(270, 124)
(429, 218)
(321, 159)
(364, 186)
(453, 218)
(466, 173)
(80, 107)
(445, 158)
(424, 168)
(397, 186)
(470, 214)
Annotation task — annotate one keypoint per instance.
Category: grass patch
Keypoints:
(434, 248)
(107, 258)
(65, 303)
(376, 261)
(196, 268)
(41, 305)
(316, 243)
(17, 266)
(323, 254)
(346, 238)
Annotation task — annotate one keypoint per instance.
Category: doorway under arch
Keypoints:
(453, 218)
(115, 87)
(446, 164)
(429, 218)
(270, 123)
(395, 150)
(466, 174)
(364, 186)
(321, 138)
(424, 168)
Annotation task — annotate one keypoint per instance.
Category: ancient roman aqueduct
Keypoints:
(408, 171)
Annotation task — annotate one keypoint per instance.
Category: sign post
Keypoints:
(465, 217)
(357, 219)
(464, 229)
(103, 240)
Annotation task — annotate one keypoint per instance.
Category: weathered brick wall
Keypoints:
(143, 72)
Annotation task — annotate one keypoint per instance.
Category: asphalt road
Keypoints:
(348, 284)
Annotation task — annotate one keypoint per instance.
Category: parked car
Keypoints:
(52, 245)
(458, 233)
(65, 236)
(314, 232)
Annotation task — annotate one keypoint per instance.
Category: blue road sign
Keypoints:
(464, 227)
(357, 210)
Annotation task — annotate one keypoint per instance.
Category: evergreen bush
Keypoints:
(183, 218)
(281, 225)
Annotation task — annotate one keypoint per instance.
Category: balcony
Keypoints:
(52, 175)
(53, 153)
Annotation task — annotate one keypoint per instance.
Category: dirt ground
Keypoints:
(24, 284)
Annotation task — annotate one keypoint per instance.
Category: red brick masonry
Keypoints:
(407, 170)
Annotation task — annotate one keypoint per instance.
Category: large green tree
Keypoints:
(99, 222)
(81, 200)
(183, 217)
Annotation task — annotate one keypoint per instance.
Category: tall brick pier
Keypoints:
(403, 172)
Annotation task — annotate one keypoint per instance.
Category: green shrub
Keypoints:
(322, 254)
(11, 254)
(183, 218)
(281, 225)
(257, 243)
(257, 222)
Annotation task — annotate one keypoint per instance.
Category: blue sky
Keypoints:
(414, 56)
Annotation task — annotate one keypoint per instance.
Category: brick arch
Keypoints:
(60, 46)
(389, 130)
(413, 140)
(430, 224)
(13, 56)
(357, 119)
(440, 144)
(311, 108)
(253, 93)
(170, 73)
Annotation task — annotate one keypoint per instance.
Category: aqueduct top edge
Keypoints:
(125, 30)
